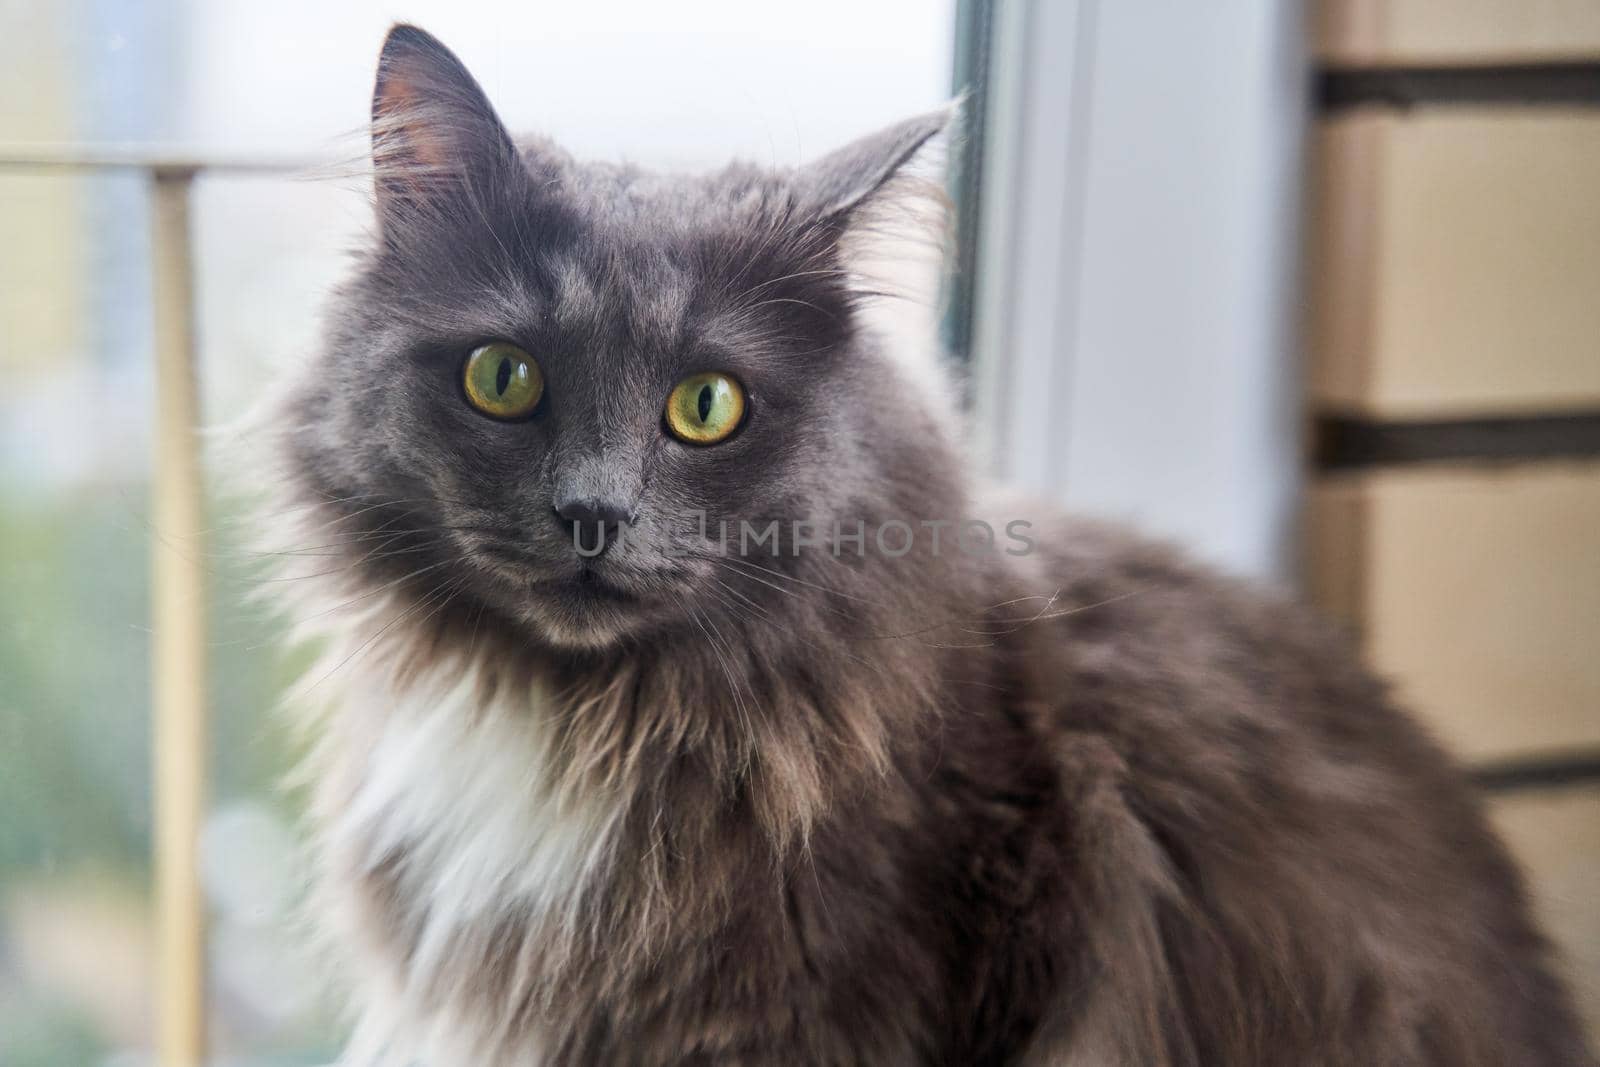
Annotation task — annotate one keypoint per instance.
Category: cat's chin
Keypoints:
(582, 615)
(574, 635)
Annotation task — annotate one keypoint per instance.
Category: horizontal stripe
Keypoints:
(1566, 84)
(1342, 442)
(1512, 775)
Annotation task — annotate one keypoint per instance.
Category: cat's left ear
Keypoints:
(868, 170)
(435, 136)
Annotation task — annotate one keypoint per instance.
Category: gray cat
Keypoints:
(658, 727)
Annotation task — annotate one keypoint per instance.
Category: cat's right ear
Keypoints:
(436, 141)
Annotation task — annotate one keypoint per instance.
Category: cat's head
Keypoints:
(534, 342)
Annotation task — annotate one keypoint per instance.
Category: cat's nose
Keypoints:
(595, 523)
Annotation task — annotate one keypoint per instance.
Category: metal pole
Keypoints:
(179, 624)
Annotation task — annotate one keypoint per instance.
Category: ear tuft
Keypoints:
(434, 132)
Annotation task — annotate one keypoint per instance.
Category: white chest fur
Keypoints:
(459, 798)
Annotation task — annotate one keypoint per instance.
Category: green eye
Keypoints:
(705, 408)
(503, 381)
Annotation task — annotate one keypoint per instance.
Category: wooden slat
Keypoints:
(1455, 32)
(178, 595)
(1343, 252)
(1335, 546)
(1555, 835)
(1455, 263)
(1477, 590)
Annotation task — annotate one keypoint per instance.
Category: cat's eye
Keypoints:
(502, 381)
(705, 408)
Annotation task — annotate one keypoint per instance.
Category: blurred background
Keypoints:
(1308, 287)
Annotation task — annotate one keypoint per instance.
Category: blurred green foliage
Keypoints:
(75, 725)
(74, 685)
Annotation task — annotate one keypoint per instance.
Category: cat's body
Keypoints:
(1056, 870)
(1081, 805)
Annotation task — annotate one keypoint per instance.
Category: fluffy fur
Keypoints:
(1087, 805)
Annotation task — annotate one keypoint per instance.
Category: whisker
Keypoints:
(800, 581)
(381, 588)
(385, 628)
(733, 685)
